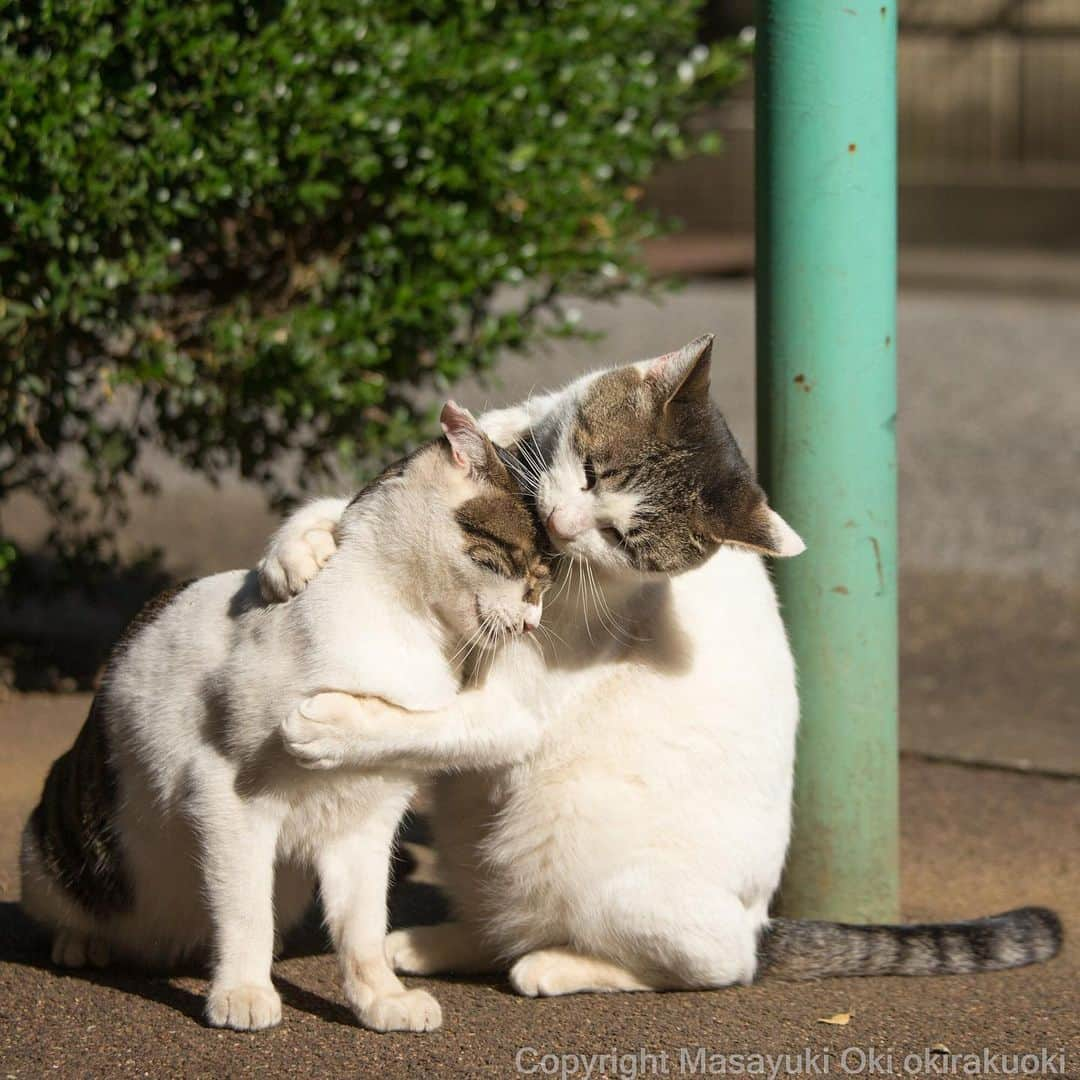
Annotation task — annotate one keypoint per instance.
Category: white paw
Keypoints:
(322, 542)
(411, 1010)
(405, 953)
(243, 1008)
(288, 567)
(537, 975)
(313, 736)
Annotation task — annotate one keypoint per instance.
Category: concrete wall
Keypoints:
(989, 130)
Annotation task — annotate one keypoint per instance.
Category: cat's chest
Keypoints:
(368, 644)
(327, 805)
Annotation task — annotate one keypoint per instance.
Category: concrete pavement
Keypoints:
(974, 841)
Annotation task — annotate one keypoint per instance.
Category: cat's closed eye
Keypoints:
(483, 557)
(593, 473)
(590, 475)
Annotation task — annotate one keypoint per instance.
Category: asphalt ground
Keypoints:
(974, 841)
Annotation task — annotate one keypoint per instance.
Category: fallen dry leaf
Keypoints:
(840, 1019)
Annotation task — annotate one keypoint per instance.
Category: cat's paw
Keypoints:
(542, 974)
(406, 952)
(243, 1008)
(290, 565)
(73, 949)
(432, 950)
(312, 735)
(410, 1010)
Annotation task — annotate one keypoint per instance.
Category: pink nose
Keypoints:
(563, 525)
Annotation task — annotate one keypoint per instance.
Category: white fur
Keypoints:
(222, 831)
(639, 845)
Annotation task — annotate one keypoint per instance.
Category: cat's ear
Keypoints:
(469, 446)
(682, 377)
(785, 541)
(760, 528)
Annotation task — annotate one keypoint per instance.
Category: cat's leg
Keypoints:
(650, 933)
(300, 548)
(551, 972)
(239, 844)
(75, 949)
(479, 730)
(353, 874)
(433, 950)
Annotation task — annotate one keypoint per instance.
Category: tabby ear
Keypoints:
(761, 529)
(469, 446)
(682, 376)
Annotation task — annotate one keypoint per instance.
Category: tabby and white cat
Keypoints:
(639, 847)
(177, 820)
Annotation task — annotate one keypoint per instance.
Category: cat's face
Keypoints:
(502, 568)
(497, 564)
(641, 473)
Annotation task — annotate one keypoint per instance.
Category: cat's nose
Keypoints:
(531, 621)
(564, 524)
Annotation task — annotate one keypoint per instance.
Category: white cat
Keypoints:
(639, 846)
(178, 821)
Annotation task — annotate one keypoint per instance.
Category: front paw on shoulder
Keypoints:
(311, 737)
(287, 570)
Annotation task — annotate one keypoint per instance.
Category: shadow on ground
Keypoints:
(410, 903)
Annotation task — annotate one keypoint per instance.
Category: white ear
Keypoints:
(786, 541)
(468, 443)
(683, 374)
(505, 426)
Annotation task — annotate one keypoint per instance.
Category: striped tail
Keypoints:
(800, 949)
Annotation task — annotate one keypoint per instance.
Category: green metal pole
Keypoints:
(826, 334)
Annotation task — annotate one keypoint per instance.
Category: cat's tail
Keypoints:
(800, 949)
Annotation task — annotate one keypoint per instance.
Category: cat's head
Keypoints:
(641, 473)
(493, 567)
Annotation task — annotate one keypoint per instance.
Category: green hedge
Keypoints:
(244, 230)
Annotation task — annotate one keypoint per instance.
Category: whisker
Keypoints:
(525, 478)
(583, 597)
(602, 601)
(564, 574)
(603, 612)
(484, 644)
(552, 634)
(466, 645)
(530, 457)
